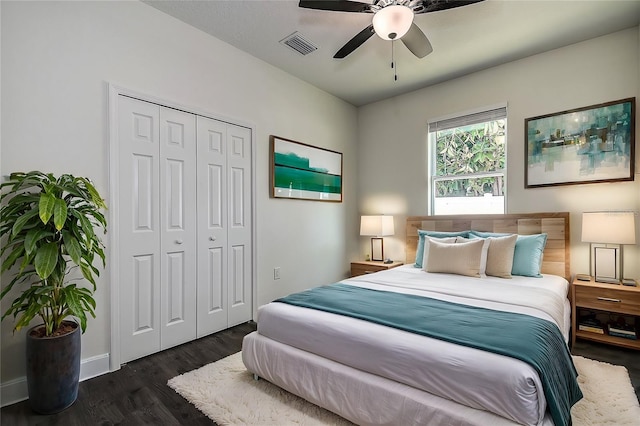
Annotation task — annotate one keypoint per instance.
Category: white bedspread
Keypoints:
(483, 380)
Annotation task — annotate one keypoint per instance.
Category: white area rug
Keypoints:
(609, 398)
(226, 392)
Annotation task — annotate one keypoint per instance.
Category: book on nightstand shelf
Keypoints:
(591, 325)
(591, 328)
(626, 331)
(623, 335)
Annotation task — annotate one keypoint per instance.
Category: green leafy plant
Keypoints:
(49, 225)
(467, 150)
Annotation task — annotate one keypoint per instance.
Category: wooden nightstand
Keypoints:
(605, 300)
(367, 267)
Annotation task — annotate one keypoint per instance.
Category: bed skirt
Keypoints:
(359, 397)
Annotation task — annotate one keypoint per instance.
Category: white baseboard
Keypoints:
(13, 391)
(94, 367)
(16, 390)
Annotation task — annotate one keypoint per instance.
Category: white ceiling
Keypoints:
(465, 39)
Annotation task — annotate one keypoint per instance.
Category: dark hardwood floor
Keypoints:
(138, 394)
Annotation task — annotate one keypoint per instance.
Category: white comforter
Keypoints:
(483, 380)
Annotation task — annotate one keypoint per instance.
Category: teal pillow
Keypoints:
(527, 257)
(481, 234)
(435, 234)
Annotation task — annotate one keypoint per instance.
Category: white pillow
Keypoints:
(445, 240)
(460, 258)
(500, 256)
(483, 257)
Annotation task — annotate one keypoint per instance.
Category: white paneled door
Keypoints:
(178, 227)
(139, 223)
(224, 225)
(185, 226)
(239, 224)
(212, 226)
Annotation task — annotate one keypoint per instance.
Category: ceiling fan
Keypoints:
(392, 20)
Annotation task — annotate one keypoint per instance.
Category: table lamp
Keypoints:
(608, 232)
(377, 227)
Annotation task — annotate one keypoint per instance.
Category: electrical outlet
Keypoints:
(276, 273)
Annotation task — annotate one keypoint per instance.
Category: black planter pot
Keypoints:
(53, 370)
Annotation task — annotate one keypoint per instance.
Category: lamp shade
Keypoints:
(376, 226)
(609, 227)
(392, 22)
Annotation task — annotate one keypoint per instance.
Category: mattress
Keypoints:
(481, 380)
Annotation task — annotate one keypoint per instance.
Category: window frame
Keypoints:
(461, 119)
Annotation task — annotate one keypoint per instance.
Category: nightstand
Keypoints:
(605, 300)
(368, 267)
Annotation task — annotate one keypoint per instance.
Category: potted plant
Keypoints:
(48, 228)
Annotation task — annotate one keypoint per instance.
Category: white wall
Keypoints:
(392, 154)
(57, 59)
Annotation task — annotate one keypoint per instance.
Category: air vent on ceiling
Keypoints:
(298, 43)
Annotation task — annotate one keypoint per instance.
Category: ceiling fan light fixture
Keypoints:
(392, 22)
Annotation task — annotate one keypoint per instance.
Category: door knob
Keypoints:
(212, 238)
(178, 241)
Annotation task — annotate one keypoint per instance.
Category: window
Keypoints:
(467, 157)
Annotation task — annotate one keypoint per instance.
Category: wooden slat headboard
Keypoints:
(556, 258)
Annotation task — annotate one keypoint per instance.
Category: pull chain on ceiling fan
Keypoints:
(393, 63)
(392, 20)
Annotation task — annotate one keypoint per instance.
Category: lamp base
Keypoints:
(377, 249)
(607, 280)
(607, 263)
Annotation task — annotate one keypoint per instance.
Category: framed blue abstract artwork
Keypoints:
(302, 171)
(584, 145)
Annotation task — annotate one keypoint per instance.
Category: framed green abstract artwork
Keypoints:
(305, 172)
(584, 145)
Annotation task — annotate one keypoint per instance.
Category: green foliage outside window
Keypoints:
(469, 150)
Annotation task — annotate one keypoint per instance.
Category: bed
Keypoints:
(394, 370)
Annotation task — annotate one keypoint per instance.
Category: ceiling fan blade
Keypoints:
(436, 5)
(417, 42)
(336, 5)
(355, 42)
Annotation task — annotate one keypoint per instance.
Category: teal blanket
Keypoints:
(533, 340)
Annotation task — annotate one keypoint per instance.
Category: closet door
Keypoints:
(157, 148)
(139, 227)
(239, 224)
(224, 225)
(212, 226)
(184, 191)
(178, 227)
